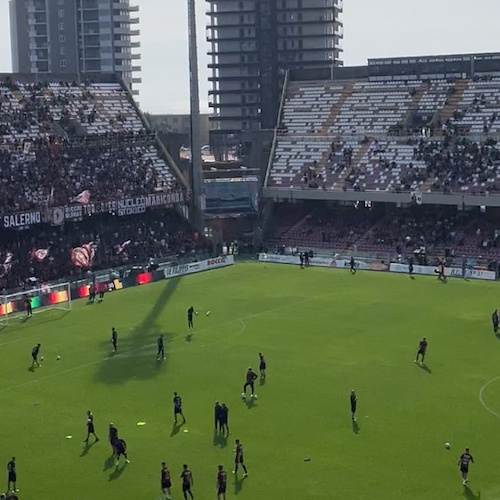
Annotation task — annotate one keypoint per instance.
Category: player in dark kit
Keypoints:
(166, 480)
(494, 320)
(217, 416)
(121, 450)
(161, 348)
(102, 291)
(262, 366)
(178, 408)
(91, 293)
(190, 314)
(251, 377)
(410, 266)
(422, 348)
(90, 427)
(354, 404)
(11, 474)
(221, 483)
(114, 339)
(440, 271)
(187, 482)
(352, 266)
(113, 437)
(301, 257)
(463, 463)
(28, 307)
(238, 458)
(224, 418)
(34, 354)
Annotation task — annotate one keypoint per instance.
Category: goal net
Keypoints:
(43, 298)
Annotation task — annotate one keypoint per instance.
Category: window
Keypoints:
(61, 13)
(63, 63)
(61, 2)
(62, 38)
(61, 26)
(62, 51)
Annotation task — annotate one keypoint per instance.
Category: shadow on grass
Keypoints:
(425, 368)
(220, 439)
(87, 448)
(250, 402)
(140, 347)
(109, 462)
(355, 427)
(118, 472)
(412, 278)
(470, 495)
(262, 381)
(189, 337)
(176, 428)
(238, 483)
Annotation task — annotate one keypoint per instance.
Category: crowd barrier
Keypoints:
(479, 274)
(143, 278)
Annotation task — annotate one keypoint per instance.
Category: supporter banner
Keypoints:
(59, 215)
(196, 267)
(323, 262)
(136, 205)
(475, 274)
(22, 220)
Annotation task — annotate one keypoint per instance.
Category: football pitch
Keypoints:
(323, 332)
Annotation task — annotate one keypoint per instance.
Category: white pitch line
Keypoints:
(481, 399)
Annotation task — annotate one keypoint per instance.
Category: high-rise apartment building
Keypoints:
(254, 42)
(79, 37)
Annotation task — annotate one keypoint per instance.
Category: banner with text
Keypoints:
(59, 215)
(475, 274)
(196, 267)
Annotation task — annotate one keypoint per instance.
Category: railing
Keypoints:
(275, 138)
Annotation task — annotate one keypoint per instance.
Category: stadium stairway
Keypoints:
(346, 93)
(340, 183)
(454, 100)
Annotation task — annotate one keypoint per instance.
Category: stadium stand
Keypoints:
(59, 139)
(70, 144)
(401, 136)
(388, 231)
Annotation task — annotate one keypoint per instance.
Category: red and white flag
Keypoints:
(83, 256)
(6, 266)
(83, 198)
(121, 248)
(40, 255)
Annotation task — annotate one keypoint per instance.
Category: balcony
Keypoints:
(137, 80)
(126, 31)
(125, 18)
(125, 6)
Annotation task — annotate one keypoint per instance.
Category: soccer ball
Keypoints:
(42, 358)
(243, 395)
(254, 396)
(447, 446)
(208, 313)
(58, 358)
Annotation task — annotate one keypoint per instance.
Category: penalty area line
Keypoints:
(481, 398)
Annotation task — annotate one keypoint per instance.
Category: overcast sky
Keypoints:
(372, 28)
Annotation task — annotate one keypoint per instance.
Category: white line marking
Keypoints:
(481, 399)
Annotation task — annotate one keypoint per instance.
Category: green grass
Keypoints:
(323, 332)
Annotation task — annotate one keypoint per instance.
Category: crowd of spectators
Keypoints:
(154, 235)
(461, 164)
(60, 139)
(391, 231)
